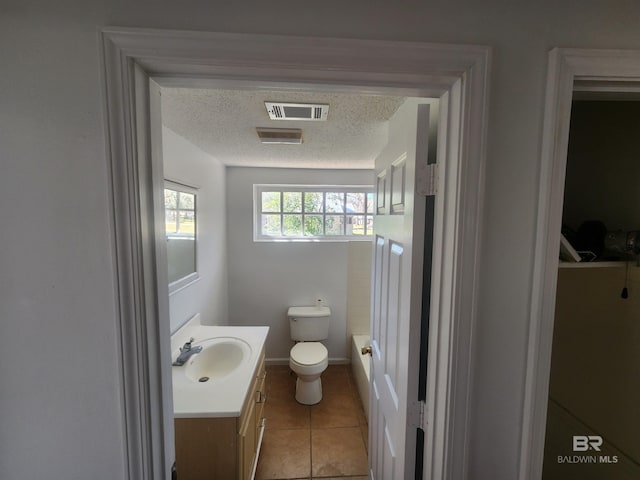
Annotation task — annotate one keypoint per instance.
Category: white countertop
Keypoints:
(221, 397)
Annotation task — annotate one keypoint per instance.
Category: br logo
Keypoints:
(582, 443)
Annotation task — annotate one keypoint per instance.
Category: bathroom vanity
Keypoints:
(219, 422)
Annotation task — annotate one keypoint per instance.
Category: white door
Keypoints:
(397, 284)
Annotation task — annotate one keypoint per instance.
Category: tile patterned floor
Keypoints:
(327, 441)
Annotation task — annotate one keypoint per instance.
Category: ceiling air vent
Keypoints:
(297, 111)
(274, 136)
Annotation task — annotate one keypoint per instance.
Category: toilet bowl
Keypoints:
(308, 360)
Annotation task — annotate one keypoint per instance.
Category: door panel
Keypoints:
(389, 459)
(375, 461)
(397, 277)
(393, 311)
(398, 184)
(378, 257)
(381, 193)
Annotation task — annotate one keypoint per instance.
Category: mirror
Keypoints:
(181, 228)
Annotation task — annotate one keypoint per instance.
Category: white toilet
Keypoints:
(308, 357)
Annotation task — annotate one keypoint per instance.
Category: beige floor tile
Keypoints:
(336, 410)
(362, 417)
(365, 435)
(285, 454)
(280, 383)
(278, 369)
(338, 452)
(331, 369)
(286, 413)
(337, 384)
(336, 372)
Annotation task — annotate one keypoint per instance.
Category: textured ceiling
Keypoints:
(223, 123)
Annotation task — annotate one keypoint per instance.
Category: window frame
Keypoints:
(258, 189)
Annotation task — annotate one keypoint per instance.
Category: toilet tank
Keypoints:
(309, 324)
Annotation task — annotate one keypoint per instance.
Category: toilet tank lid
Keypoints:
(309, 312)
(309, 353)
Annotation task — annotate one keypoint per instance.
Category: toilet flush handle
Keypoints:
(366, 350)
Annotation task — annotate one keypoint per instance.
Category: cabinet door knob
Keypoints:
(367, 350)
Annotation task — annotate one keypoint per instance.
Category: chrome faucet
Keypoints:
(185, 352)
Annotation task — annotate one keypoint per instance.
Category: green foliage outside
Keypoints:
(270, 201)
(313, 202)
(313, 225)
(292, 225)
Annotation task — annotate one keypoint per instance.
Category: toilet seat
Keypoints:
(309, 353)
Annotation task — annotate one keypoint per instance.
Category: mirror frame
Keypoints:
(194, 276)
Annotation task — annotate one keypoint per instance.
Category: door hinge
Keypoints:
(418, 415)
(428, 180)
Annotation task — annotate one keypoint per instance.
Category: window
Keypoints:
(180, 228)
(319, 213)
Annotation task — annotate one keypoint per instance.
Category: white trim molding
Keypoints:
(457, 74)
(610, 70)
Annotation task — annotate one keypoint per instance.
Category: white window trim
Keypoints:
(257, 211)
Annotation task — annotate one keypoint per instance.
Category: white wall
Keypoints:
(358, 289)
(56, 266)
(265, 278)
(187, 164)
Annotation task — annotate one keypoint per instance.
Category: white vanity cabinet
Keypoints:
(223, 448)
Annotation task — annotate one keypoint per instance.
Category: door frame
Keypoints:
(569, 70)
(131, 57)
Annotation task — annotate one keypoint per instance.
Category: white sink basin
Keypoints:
(215, 382)
(219, 357)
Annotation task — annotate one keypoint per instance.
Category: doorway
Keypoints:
(456, 75)
(597, 72)
(267, 272)
(264, 257)
(593, 390)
